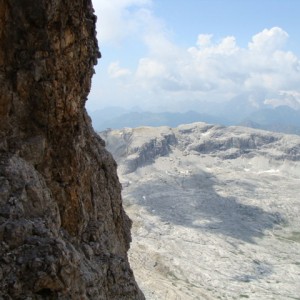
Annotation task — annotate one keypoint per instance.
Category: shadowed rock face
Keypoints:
(63, 231)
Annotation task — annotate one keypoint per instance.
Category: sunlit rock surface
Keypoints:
(215, 210)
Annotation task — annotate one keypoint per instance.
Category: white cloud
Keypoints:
(219, 71)
(269, 40)
(115, 71)
(205, 46)
(204, 40)
(290, 98)
(118, 19)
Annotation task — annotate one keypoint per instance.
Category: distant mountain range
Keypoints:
(137, 119)
(280, 119)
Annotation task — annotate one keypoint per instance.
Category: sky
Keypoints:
(175, 55)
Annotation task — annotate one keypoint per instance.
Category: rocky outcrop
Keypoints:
(135, 148)
(63, 231)
(140, 146)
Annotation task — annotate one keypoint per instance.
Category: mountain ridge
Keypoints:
(280, 119)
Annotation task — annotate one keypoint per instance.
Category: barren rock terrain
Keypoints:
(215, 210)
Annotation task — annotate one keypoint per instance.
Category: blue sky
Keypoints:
(241, 18)
(174, 55)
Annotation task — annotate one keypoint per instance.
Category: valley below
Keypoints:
(215, 210)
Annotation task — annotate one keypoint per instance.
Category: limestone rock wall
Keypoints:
(63, 231)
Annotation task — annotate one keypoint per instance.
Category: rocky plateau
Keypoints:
(215, 210)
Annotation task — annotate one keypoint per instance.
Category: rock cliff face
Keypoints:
(63, 231)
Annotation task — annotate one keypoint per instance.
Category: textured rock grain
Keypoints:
(63, 231)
